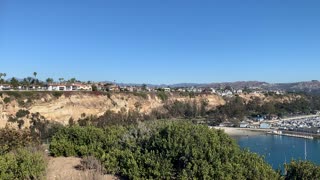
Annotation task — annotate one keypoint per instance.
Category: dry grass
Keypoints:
(63, 168)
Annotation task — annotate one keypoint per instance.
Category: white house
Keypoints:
(166, 89)
(5, 87)
(239, 91)
(56, 87)
(244, 124)
(68, 87)
(265, 125)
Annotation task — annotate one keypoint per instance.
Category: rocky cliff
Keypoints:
(63, 107)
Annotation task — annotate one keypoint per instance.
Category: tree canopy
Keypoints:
(163, 150)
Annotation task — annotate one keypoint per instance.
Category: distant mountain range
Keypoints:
(305, 86)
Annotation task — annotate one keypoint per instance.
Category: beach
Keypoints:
(242, 131)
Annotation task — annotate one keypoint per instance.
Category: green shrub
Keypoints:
(22, 164)
(141, 94)
(163, 150)
(11, 139)
(57, 94)
(78, 141)
(14, 94)
(7, 100)
(303, 170)
(22, 113)
(162, 95)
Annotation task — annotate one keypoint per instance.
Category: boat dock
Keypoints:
(291, 135)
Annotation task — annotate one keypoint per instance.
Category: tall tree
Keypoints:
(72, 80)
(35, 81)
(35, 75)
(14, 82)
(49, 80)
(61, 80)
(2, 75)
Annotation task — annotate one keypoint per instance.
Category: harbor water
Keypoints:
(278, 150)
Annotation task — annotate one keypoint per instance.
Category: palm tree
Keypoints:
(27, 82)
(35, 78)
(35, 74)
(72, 80)
(61, 79)
(49, 80)
(2, 75)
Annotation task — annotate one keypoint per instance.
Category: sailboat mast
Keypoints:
(305, 149)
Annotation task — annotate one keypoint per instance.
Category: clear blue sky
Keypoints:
(161, 41)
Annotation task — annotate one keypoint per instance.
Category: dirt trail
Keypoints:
(63, 168)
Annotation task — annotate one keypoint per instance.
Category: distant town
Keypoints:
(303, 124)
(34, 84)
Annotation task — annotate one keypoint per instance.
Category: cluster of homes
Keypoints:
(249, 124)
(78, 86)
(49, 87)
(304, 125)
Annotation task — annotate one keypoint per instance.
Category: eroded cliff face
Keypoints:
(63, 108)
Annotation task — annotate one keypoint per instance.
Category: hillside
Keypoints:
(64, 106)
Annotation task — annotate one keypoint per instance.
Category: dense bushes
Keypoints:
(162, 150)
(237, 108)
(22, 163)
(163, 96)
(303, 170)
(11, 139)
(17, 159)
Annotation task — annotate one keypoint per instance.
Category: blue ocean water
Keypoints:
(278, 150)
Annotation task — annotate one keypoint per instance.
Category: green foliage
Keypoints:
(42, 128)
(236, 108)
(22, 113)
(11, 139)
(77, 141)
(162, 150)
(17, 160)
(188, 94)
(7, 100)
(57, 94)
(179, 109)
(22, 163)
(108, 95)
(14, 94)
(141, 94)
(116, 118)
(163, 96)
(94, 88)
(302, 170)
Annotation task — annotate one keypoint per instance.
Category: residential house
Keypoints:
(244, 124)
(5, 87)
(227, 93)
(112, 87)
(226, 124)
(265, 125)
(239, 91)
(56, 87)
(167, 89)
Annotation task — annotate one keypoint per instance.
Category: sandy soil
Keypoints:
(242, 131)
(62, 168)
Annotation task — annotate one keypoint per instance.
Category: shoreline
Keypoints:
(236, 132)
(242, 131)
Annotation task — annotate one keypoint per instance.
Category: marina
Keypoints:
(278, 150)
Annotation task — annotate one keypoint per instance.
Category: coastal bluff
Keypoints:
(60, 107)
